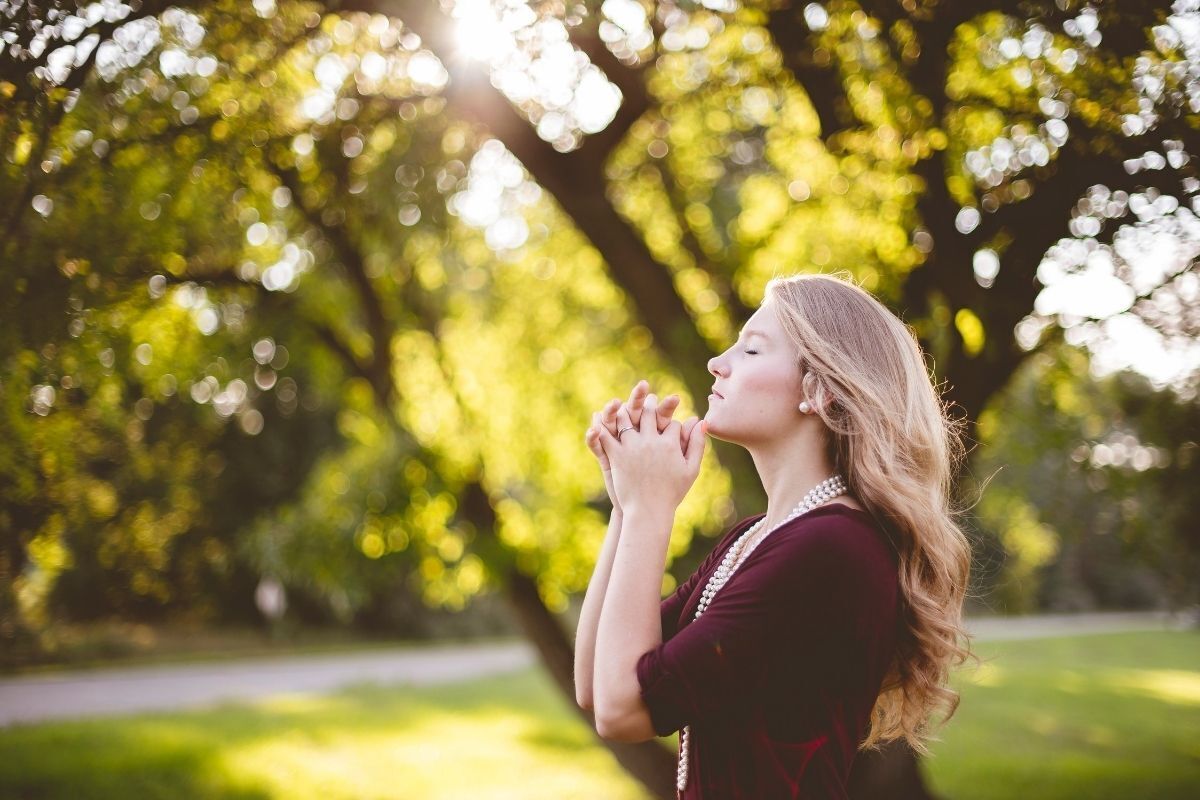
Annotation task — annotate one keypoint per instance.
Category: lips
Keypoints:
(718, 394)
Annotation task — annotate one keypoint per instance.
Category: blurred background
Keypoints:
(305, 306)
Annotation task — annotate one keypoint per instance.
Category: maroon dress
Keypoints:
(778, 676)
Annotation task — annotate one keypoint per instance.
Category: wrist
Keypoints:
(649, 512)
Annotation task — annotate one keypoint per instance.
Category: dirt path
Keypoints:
(108, 691)
(125, 690)
(1041, 625)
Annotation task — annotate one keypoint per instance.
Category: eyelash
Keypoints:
(750, 352)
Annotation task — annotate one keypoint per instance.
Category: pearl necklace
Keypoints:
(821, 493)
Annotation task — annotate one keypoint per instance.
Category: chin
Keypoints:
(715, 432)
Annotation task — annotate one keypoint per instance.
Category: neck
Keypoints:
(789, 469)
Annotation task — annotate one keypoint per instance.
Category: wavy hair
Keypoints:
(889, 433)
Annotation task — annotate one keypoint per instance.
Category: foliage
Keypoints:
(285, 302)
(158, 324)
(1056, 445)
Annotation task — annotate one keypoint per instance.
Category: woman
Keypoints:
(830, 623)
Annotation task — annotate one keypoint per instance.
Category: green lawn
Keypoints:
(1109, 716)
(509, 736)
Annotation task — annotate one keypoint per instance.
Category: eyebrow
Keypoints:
(760, 334)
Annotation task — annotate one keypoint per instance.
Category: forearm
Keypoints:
(630, 621)
(589, 615)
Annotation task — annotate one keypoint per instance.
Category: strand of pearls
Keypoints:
(820, 494)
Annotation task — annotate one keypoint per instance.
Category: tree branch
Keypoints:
(17, 64)
(576, 180)
(379, 327)
(738, 311)
(819, 76)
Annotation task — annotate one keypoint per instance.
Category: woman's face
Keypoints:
(757, 387)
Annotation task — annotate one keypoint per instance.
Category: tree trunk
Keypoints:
(648, 762)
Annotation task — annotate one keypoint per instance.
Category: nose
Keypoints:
(714, 366)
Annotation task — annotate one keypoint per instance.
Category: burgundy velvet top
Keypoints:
(778, 676)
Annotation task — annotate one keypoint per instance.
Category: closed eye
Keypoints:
(750, 352)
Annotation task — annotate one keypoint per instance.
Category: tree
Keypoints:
(1057, 445)
(903, 140)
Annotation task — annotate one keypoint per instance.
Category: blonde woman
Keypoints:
(827, 624)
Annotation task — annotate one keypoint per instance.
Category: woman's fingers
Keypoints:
(608, 415)
(666, 410)
(695, 450)
(592, 437)
(609, 438)
(649, 413)
(685, 434)
(637, 399)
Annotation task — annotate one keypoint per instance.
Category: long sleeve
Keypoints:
(672, 607)
(807, 583)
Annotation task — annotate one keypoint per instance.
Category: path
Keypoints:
(1040, 625)
(123, 690)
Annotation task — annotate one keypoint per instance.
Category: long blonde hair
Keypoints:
(892, 439)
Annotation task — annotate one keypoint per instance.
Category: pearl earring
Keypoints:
(805, 407)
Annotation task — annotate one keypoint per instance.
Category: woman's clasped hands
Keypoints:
(649, 460)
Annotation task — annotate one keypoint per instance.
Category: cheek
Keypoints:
(771, 385)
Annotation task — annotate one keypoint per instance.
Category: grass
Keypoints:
(1100, 716)
(508, 736)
